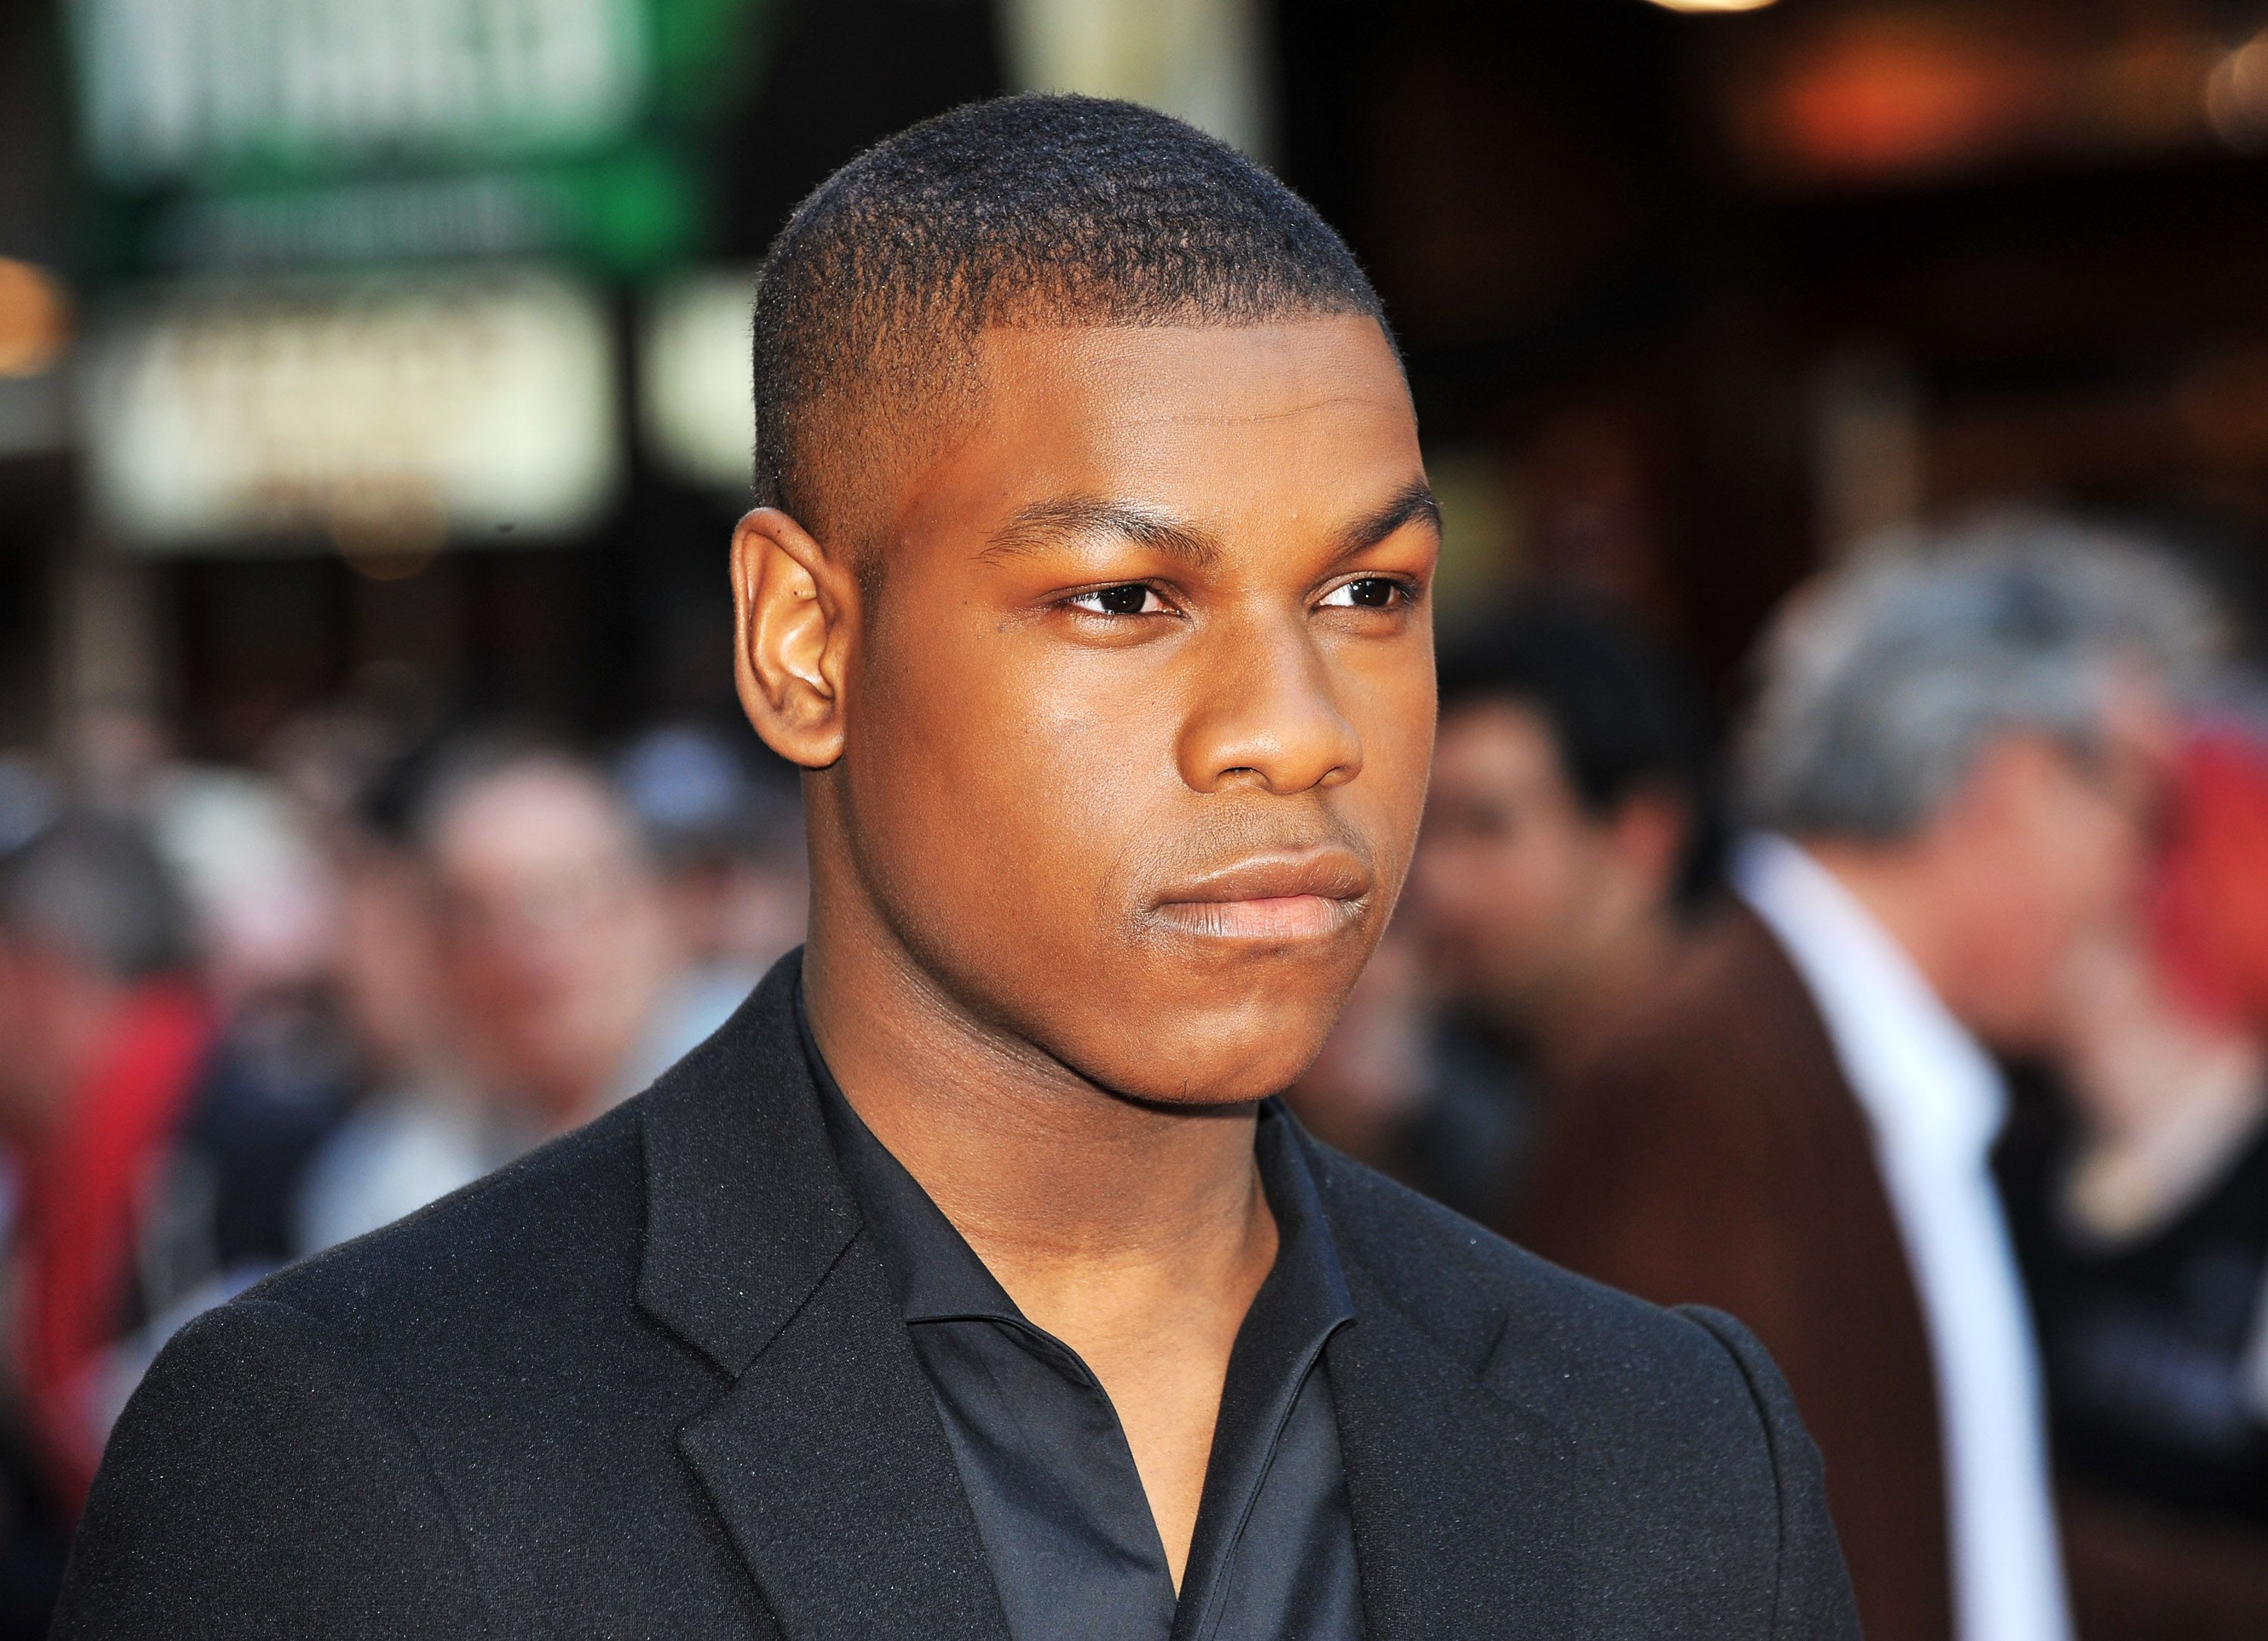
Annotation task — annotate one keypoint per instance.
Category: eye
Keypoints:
(1132, 599)
(1369, 592)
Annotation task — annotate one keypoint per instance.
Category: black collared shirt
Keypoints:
(1074, 1551)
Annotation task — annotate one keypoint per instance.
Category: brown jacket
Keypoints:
(1715, 1154)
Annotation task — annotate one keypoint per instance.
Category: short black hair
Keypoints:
(1627, 719)
(1028, 210)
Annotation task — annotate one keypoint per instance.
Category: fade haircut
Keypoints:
(1026, 210)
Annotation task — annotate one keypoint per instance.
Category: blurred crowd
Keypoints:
(247, 1013)
(1924, 1029)
(1919, 1017)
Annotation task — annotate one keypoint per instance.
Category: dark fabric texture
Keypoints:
(651, 1381)
(1067, 1529)
(2164, 1471)
(1716, 1155)
(2145, 1342)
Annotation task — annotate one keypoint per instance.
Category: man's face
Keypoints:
(2053, 857)
(1137, 731)
(1514, 879)
(555, 935)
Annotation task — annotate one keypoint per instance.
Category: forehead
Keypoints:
(1226, 424)
(1498, 740)
(526, 817)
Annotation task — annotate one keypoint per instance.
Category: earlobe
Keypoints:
(793, 611)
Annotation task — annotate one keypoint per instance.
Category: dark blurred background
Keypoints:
(373, 416)
(1688, 300)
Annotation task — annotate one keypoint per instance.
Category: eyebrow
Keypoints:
(1037, 525)
(1412, 504)
(1045, 521)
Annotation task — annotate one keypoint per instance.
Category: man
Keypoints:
(966, 1284)
(146, 1157)
(1954, 747)
(566, 985)
(103, 1036)
(1563, 832)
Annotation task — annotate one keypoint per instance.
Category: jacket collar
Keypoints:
(823, 1454)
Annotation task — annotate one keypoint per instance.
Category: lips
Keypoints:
(1306, 896)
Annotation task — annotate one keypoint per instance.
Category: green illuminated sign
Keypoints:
(240, 133)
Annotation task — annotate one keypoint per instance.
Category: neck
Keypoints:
(1901, 892)
(1077, 1200)
(1136, 1234)
(1579, 1011)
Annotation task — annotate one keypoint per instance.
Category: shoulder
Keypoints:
(256, 1478)
(1730, 1027)
(1666, 1440)
(1503, 1309)
(548, 1241)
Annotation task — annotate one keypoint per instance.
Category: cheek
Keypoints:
(2098, 866)
(1391, 708)
(1015, 792)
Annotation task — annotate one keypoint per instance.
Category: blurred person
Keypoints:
(729, 840)
(565, 983)
(557, 945)
(155, 1141)
(1563, 840)
(260, 896)
(1956, 752)
(2139, 1202)
(1562, 830)
(103, 1036)
(420, 1128)
(970, 1282)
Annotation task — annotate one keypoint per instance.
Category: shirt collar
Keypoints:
(937, 1277)
(1921, 1076)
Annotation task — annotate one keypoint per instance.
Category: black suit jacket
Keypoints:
(651, 1382)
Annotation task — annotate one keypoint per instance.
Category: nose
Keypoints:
(1265, 715)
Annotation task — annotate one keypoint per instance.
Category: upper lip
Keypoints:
(1332, 874)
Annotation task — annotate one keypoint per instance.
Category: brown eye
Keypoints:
(1133, 599)
(1371, 592)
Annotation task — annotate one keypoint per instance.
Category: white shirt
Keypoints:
(1935, 1102)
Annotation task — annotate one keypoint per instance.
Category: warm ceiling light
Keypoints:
(1713, 5)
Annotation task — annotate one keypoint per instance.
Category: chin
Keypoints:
(1230, 1056)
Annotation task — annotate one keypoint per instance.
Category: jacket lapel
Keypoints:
(824, 1457)
(828, 1464)
(1454, 1489)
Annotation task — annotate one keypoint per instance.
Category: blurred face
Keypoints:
(1136, 737)
(20, 1037)
(57, 1015)
(2049, 849)
(556, 937)
(1514, 877)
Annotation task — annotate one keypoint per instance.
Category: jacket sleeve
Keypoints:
(1813, 1601)
(255, 1487)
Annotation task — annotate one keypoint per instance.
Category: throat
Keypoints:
(1155, 1320)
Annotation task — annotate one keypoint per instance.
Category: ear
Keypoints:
(1648, 833)
(795, 616)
